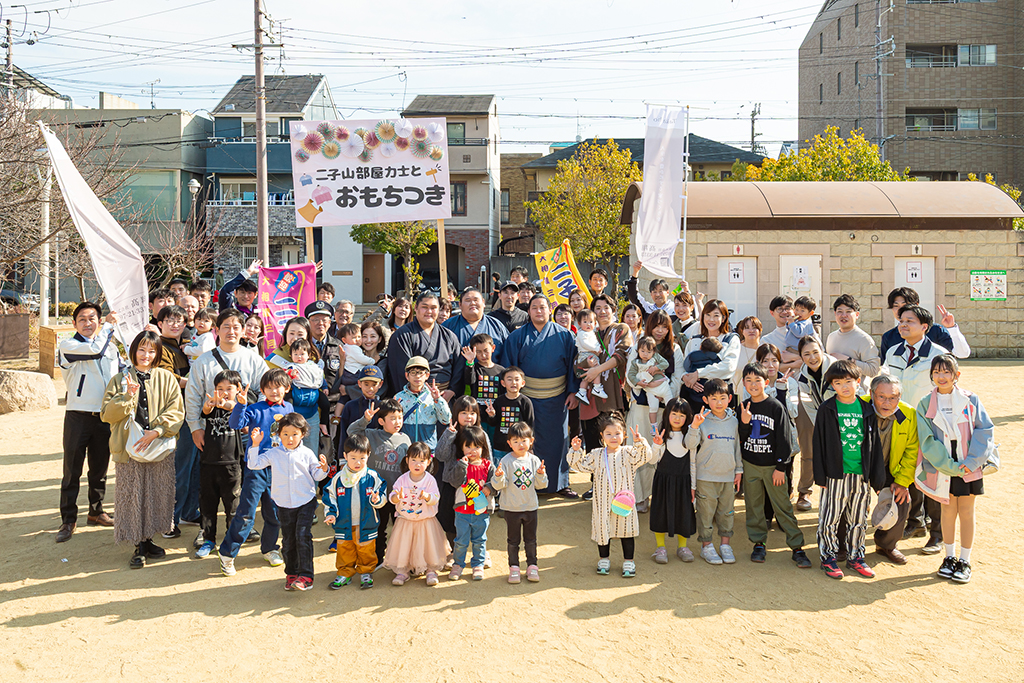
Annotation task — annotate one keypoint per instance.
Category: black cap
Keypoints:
(508, 284)
(319, 308)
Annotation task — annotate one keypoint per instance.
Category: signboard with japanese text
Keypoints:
(283, 293)
(559, 275)
(988, 285)
(370, 171)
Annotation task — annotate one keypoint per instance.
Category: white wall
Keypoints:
(342, 253)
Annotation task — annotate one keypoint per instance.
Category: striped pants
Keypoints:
(845, 499)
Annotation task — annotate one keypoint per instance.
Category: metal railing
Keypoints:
(280, 201)
(930, 61)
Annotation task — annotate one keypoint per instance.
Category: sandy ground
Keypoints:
(76, 612)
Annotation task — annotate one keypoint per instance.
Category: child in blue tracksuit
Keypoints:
(422, 406)
(351, 501)
(256, 483)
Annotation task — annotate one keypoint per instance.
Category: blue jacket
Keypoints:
(227, 299)
(338, 504)
(260, 414)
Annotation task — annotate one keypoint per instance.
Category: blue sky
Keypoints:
(560, 68)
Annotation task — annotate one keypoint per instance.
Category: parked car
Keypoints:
(29, 302)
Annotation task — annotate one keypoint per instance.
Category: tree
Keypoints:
(1012, 190)
(406, 239)
(583, 203)
(829, 158)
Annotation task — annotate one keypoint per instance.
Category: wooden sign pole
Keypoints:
(310, 251)
(442, 258)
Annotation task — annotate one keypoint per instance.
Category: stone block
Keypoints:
(20, 391)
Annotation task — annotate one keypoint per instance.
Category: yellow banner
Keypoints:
(559, 276)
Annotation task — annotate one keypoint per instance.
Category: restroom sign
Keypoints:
(736, 273)
(915, 272)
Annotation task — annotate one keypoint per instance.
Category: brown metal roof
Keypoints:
(840, 199)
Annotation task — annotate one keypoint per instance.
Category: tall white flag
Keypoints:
(116, 258)
(657, 232)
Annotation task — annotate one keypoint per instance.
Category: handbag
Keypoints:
(156, 451)
(623, 502)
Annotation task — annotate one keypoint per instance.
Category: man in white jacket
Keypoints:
(88, 360)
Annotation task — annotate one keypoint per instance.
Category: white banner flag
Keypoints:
(657, 232)
(116, 259)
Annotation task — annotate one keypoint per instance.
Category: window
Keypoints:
(467, 158)
(856, 73)
(821, 93)
(249, 129)
(976, 55)
(456, 133)
(505, 198)
(839, 29)
(725, 175)
(976, 119)
(821, 43)
(839, 83)
(248, 253)
(273, 128)
(856, 124)
(458, 199)
(856, 16)
(231, 190)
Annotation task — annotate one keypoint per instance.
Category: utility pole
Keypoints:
(262, 207)
(754, 113)
(10, 62)
(879, 55)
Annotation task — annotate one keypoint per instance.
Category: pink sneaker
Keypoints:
(455, 573)
(431, 578)
(532, 574)
(513, 575)
(861, 567)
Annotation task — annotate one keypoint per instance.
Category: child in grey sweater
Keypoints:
(713, 439)
(520, 473)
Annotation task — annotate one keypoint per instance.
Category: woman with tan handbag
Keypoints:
(144, 407)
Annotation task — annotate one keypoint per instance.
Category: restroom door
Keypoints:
(918, 273)
(737, 286)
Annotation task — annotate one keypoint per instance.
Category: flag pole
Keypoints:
(686, 180)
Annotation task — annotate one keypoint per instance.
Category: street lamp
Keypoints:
(193, 187)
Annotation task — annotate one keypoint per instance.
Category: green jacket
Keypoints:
(166, 408)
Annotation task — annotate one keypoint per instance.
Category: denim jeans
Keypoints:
(312, 440)
(186, 479)
(297, 539)
(255, 491)
(471, 529)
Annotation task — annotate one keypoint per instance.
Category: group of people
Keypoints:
(414, 426)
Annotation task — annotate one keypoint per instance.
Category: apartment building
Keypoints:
(952, 95)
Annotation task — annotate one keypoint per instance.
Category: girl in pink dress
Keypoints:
(417, 544)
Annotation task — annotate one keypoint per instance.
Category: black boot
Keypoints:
(152, 550)
(138, 560)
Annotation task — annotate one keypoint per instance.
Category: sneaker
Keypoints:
(598, 390)
(858, 565)
(963, 572)
(831, 569)
(340, 582)
(227, 565)
(628, 569)
(138, 558)
(726, 552)
(759, 554)
(190, 522)
(302, 583)
(660, 556)
(710, 555)
(289, 583)
(604, 565)
(582, 396)
(589, 495)
(173, 533)
(948, 568)
(455, 573)
(197, 542)
(431, 578)
(685, 554)
(204, 550)
(449, 561)
(253, 537)
(333, 547)
(913, 532)
(399, 579)
(934, 545)
(513, 575)
(532, 574)
(274, 558)
(569, 494)
(366, 581)
(801, 559)
(487, 561)
(643, 507)
(478, 573)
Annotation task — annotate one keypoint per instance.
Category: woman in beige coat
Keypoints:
(144, 497)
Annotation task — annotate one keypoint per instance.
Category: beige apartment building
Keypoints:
(952, 83)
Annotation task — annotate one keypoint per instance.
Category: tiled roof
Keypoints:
(702, 151)
(285, 94)
(450, 104)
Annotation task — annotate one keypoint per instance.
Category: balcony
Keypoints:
(467, 142)
(931, 120)
(931, 56)
(274, 199)
(227, 218)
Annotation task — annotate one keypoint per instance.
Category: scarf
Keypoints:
(349, 479)
(885, 433)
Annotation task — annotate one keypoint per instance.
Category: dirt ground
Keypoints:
(76, 612)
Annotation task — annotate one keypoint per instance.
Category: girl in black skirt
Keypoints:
(672, 493)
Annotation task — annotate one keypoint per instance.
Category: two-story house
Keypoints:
(231, 165)
(473, 232)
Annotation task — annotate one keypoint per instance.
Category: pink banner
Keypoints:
(284, 293)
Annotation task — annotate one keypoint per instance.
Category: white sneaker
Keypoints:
(487, 560)
(727, 555)
(274, 558)
(598, 390)
(710, 555)
(227, 565)
(582, 396)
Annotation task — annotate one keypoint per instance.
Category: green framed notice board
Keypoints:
(988, 285)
